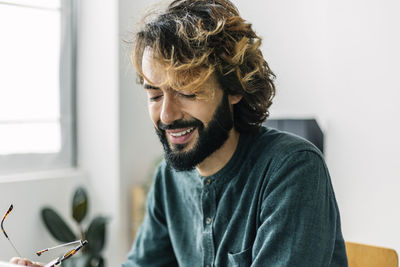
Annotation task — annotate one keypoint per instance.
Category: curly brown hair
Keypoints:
(199, 38)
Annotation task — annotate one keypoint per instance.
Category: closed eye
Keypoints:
(153, 92)
(155, 98)
(188, 96)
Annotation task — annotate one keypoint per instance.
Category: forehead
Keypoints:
(153, 70)
(202, 82)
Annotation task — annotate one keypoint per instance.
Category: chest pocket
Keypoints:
(240, 259)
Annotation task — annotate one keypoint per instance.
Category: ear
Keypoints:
(234, 99)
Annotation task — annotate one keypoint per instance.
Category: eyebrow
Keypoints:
(151, 87)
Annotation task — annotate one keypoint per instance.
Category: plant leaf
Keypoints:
(96, 235)
(56, 226)
(95, 261)
(79, 204)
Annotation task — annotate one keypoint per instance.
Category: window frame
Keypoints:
(66, 157)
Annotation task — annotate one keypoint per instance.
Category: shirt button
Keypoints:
(208, 220)
(208, 181)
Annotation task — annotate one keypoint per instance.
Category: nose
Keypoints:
(170, 110)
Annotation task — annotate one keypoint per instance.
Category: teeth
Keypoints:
(181, 133)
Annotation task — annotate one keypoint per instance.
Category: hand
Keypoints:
(25, 262)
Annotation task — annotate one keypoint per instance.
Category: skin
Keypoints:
(167, 106)
(25, 262)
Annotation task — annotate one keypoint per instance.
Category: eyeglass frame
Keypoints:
(67, 255)
(54, 262)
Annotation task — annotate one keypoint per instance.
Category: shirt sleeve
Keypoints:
(299, 217)
(152, 246)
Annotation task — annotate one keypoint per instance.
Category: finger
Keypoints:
(19, 261)
(37, 264)
(25, 262)
(14, 260)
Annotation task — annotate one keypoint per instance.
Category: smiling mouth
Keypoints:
(180, 136)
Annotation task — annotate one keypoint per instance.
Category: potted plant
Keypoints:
(95, 233)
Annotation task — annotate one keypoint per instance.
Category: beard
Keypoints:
(210, 138)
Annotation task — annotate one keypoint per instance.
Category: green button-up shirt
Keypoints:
(272, 204)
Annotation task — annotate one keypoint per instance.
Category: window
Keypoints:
(37, 70)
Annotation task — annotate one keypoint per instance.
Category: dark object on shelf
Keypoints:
(306, 128)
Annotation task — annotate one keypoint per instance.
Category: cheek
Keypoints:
(204, 114)
(153, 113)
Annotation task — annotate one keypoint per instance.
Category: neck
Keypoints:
(217, 160)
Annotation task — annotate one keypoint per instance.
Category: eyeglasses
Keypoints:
(55, 262)
(4, 231)
(67, 255)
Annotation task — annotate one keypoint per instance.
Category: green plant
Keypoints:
(95, 233)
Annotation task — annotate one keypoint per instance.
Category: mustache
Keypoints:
(178, 124)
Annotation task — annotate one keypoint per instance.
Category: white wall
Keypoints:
(337, 60)
(98, 123)
(363, 128)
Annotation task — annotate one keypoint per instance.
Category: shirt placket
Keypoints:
(209, 209)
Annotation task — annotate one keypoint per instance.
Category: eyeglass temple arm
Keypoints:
(59, 246)
(67, 255)
(4, 217)
(4, 232)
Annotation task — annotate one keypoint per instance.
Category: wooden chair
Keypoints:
(360, 255)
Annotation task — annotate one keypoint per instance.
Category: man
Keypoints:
(230, 192)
